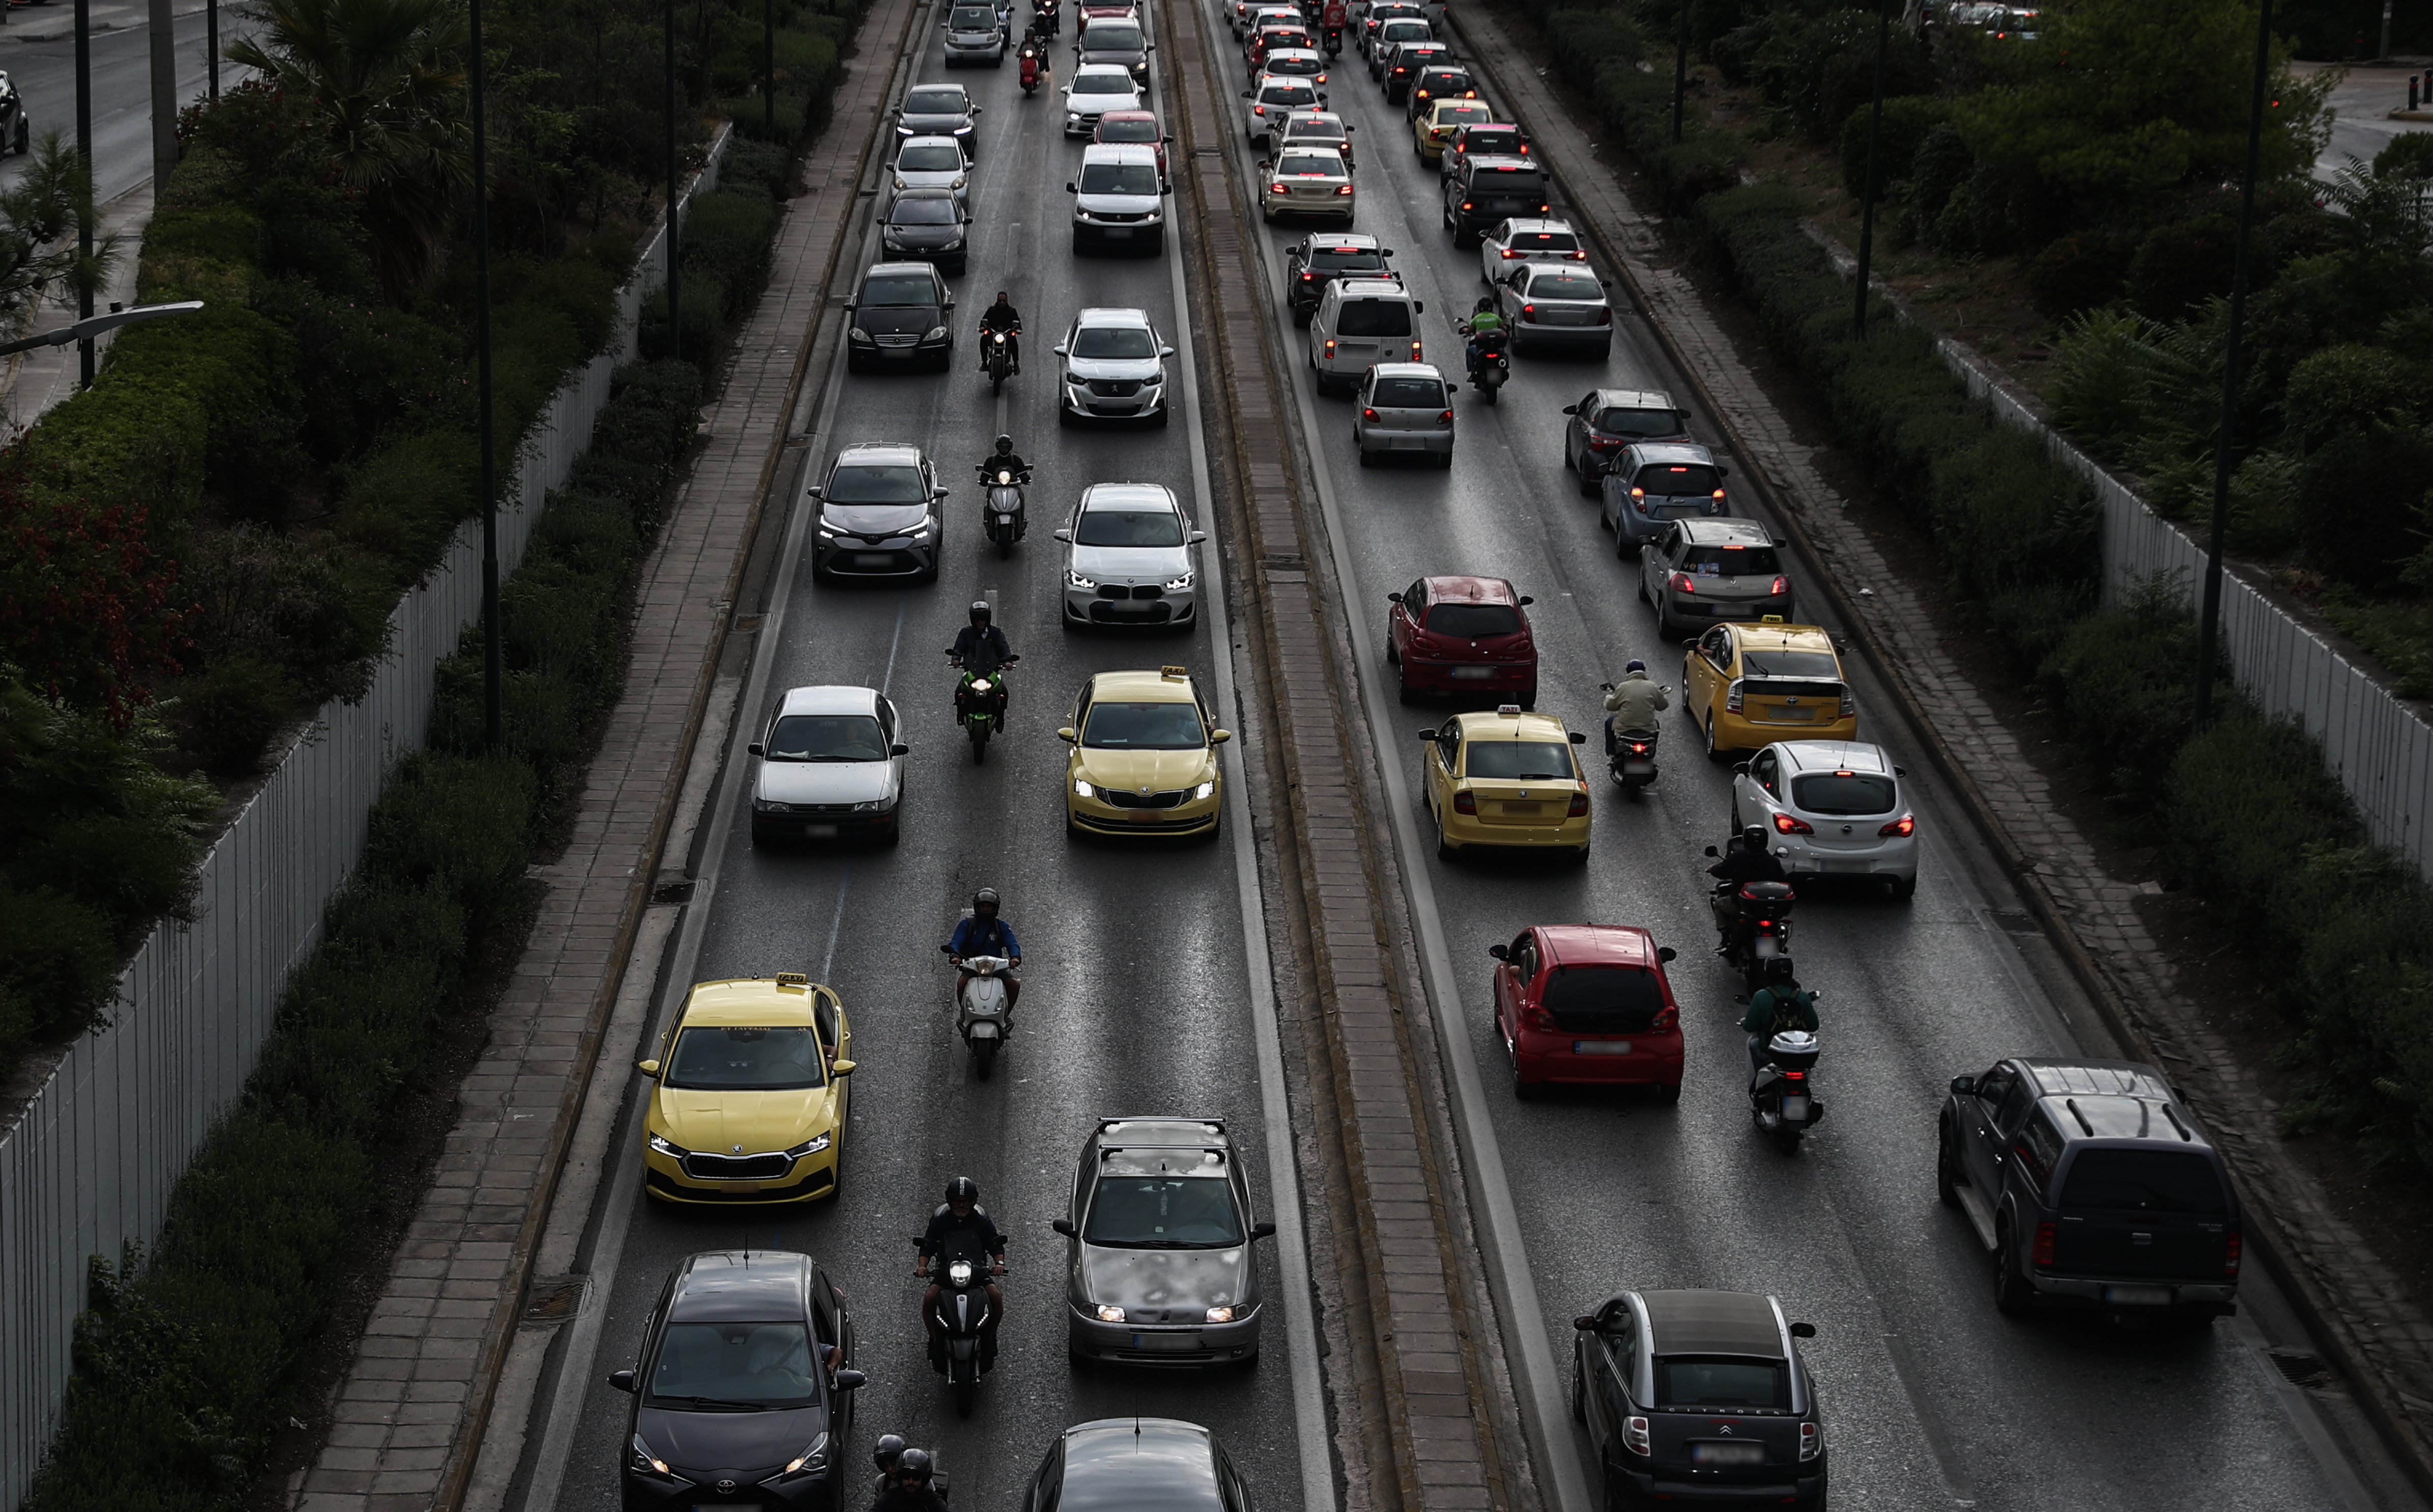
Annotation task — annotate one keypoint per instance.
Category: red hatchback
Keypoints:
(1463, 634)
(1588, 1004)
(1135, 126)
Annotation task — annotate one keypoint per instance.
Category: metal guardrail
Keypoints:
(91, 1162)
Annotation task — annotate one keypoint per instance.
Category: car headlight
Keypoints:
(921, 532)
(859, 334)
(875, 806)
(1220, 1314)
(904, 131)
(811, 1145)
(963, 130)
(1200, 792)
(1076, 381)
(935, 333)
(646, 1462)
(1082, 789)
(1158, 377)
(1110, 1313)
(960, 181)
(901, 184)
(1075, 580)
(770, 805)
(667, 1147)
(1176, 585)
(811, 1461)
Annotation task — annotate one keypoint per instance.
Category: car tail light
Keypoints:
(1367, 414)
(1465, 204)
(1577, 255)
(1811, 1440)
(1634, 1436)
(1785, 825)
(1849, 704)
(1280, 187)
(1528, 312)
(1665, 1018)
(1543, 209)
(1445, 418)
(1905, 825)
(2041, 1256)
(1513, 254)
(1732, 699)
(1782, 586)
(1604, 316)
(2231, 1248)
(1604, 443)
(1415, 351)
(1345, 190)
(1682, 582)
(1330, 346)
(1258, 109)
(1321, 79)
(1579, 805)
(1465, 803)
(1541, 1021)
(1309, 278)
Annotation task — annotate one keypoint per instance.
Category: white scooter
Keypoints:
(983, 1009)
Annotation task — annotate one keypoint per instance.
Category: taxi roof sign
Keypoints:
(1177, 673)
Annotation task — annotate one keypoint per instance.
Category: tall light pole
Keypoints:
(1681, 70)
(211, 44)
(84, 151)
(493, 662)
(675, 315)
(768, 63)
(2208, 624)
(1867, 200)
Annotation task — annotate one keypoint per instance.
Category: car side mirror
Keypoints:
(1198, 536)
(1900, 772)
(1579, 738)
(936, 493)
(817, 491)
(1803, 1331)
(1962, 1086)
(1167, 351)
(648, 1069)
(1526, 600)
(1500, 952)
(1068, 735)
(1165, 188)
(621, 1379)
(1741, 767)
(1418, 307)
(1666, 953)
(1220, 736)
(757, 749)
(1063, 535)
(1710, 850)
(1586, 1322)
(1427, 734)
(851, 1379)
(1263, 1229)
(1060, 349)
(1570, 409)
(1068, 187)
(1723, 472)
(1395, 596)
(842, 1068)
(900, 748)
(1065, 1227)
(1246, 94)
(1151, 48)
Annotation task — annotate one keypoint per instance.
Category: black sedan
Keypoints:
(1698, 1397)
(1138, 1465)
(741, 1395)
(901, 315)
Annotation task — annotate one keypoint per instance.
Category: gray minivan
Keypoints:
(975, 34)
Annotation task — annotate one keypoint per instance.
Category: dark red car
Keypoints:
(1586, 1004)
(1463, 634)
(1138, 127)
(1274, 38)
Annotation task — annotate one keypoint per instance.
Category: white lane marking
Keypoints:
(896, 641)
(1545, 1411)
(1283, 1171)
(835, 922)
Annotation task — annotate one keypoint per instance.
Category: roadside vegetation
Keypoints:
(2090, 161)
(207, 544)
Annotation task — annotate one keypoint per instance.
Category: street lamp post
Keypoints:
(768, 66)
(2208, 625)
(84, 150)
(211, 44)
(84, 331)
(676, 315)
(493, 661)
(1867, 200)
(1681, 70)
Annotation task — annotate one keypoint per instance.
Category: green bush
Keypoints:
(58, 955)
(405, 500)
(1907, 121)
(2351, 389)
(2181, 263)
(233, 709)
(2362, 506)
(2408, 156)
(2079, 272)
(2123, 683)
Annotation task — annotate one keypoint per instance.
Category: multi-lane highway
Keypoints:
(1145, 971)
(44, 72)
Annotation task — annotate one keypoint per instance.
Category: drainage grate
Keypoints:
(674, 890)
(555, 1300)
(2300, 1370)
(2011, 921)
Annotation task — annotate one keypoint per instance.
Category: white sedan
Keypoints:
(1273, 97)
(1830, 808)
(1531, 240)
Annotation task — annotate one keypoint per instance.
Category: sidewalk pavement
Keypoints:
(32, 381)
(2354, 1304)
(410, 1419)
(2369, 110)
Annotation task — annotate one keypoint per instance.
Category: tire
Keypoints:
(979, 743)
(1905, 889)
(1004, 547)
(1579, 1398)
(1669, 1093)
(1366, 460)
(1163, 414)
(1946, 1168)
(967, 1395)
(1444, 461)
(2012, 1295)
(1063, 416)
(984, 1058)
(1523, 1091)
(1528, 699)
(1787, 1141)
(1446, 850)
(1404, 692)
(1488, 393)
(896, 830)
(1714, 753)
(1589, 482)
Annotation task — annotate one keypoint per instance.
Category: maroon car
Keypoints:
(1587, 1003)
(1463, 634)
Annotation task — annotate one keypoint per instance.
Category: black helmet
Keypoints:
(964, 1189)
(1634, 665)
(984, 902)
(1484, 305)
(913, 1466)
(1754, 835)
(1778, 969)
(1004, 444)
(886, 1452)
(981, 613)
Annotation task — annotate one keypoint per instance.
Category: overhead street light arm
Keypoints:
(92, 326)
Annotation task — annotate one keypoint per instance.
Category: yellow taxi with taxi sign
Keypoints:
(1144, 759)
(1753, 683)
(748, 1100)
(1509, 778)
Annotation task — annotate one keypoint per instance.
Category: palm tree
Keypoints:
(386, 79)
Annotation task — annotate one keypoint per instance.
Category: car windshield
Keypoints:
(1310, 165)
(1602, 999)
(1520, 761)
(1288, 92)
(1108, 38)
(896, 289)
(1102, 84)
(947, 100)
(935, 158)
(1565, 286)
(1373, 318)
(1618, 421)
(1844, 793)
(736, 1059)
(1144, 727)
(1114, 342)
(1730, 561)
(1129, 527)
(1119, 178)
(2143, 1180)
(876, 486)
(924, 209)
(1345, 259)
(1474, 621)
(1696, 477)
(1722, 1383)
(827, 737)
(1127, 130)
(1773, 661)
(974, 18)
(726, 1366)
(1163, 1213)
(1411, 394)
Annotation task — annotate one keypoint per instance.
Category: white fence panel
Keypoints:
(91, 1162)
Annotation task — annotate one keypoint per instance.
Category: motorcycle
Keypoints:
(1761, 932)
(1030, 71)
(1335, 41)
(983, 1009)
(966, 1348)
(1050, 19)
(1494, 368)
(16, 131)
(1632, 766)
(1782, 1095)
(1001, 513)
(1000, 359)
(980, 707)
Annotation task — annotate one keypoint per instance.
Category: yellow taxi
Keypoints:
(1434, 127)
(1144, 757)
(749, 1097)
(1751, 684)
(1507, 778)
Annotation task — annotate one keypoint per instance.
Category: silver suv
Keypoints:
(1702, 571)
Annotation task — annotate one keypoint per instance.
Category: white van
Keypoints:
(1117, 202)
(1360, 323)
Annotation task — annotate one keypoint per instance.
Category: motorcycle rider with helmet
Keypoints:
(981, 650)
(986, 934)
(1003, 316)
(887, 1454)
(1003, 459)
(1333, 20)
(1634, 703)
(1780, 1005)
(908, 1488)
(1745, 860)
(1485, 330)
(959, 1226)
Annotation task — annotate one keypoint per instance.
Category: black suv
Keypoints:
(901, 314)
(1486, 190)
(1608, 419)
(1319, 258)
(2093, 1187)
(1698, 1396)
(743, 1391)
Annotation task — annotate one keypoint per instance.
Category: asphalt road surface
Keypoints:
(1138, 997)
(44, 74)
(1934, 1399)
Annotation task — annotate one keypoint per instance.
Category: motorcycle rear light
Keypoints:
(1465, 803)
(1634, 1434)
(1782, 586)
(1638, 748)
(1785, 825)
(1795, 1076)
(1368, 414)
(1906, 824)
(1682, 582)
(2230, 1255)
(2041, 1256)
(1732, 699)
(1579, 805)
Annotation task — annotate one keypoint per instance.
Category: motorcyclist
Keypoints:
(1634, 703)
(887, 1454)
(1745, 860)
(1781, 1003)
(1333, 20)
(986, 934)
(959, 1226)
(910, 1489)
(1003, 316)
(980, 648)
(1004, 459)
(1485, 328)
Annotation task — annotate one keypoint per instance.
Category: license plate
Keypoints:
(1794, 1110)
(1119, 233)
(1165, 1343)
(1522, 810)
(1413, 443)
(1600, 1046)
(873, 559)
(1860, 868)
(1784, 714)
(819, 831)
(1465, 673)
(1139, 818)
(738, 1186)
(1720, 1454)
(2138, 1295)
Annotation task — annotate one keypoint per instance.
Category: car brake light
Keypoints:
(2041, 1256)
(1849, 704)
(1514, 252)
(1732, 699)
(1635, 1437)
(1367, 414)
(1811, 1440)
(1785, 825)
(1528, 312)
(1543, 208)
(1330, 346)
(1579, 805)
(1542, 1020)
(1345, 190)
(1465, 803)
(1576, 255)
(1445, 418)
(1682, 582)
(1665, 1018)
(1906, 824)
(2230, 1255)
(1465, 204)
(1279, 187)
(1782, 586)
(1415, 351)
(1604, 443)
(1307, 278)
